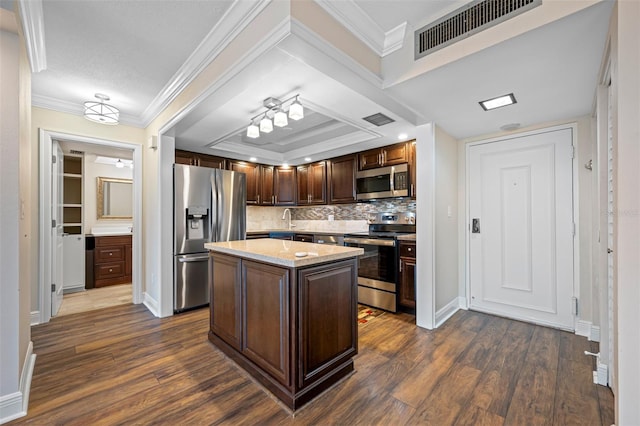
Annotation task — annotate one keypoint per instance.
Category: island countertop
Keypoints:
(283, 252)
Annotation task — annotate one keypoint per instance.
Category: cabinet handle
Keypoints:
(110, 270)
(276, 198)
(384, 157)
(258, 198)
(409, 249)
(412, 191)
(272, 202)
(401, 266)
(110, 254)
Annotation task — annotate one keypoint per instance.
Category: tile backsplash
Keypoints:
(346, 217)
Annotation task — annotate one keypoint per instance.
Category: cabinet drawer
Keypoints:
(109, 254)
(109, 270)
(113, 240)
(407, 250)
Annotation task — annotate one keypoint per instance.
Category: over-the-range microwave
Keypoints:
(383, 182)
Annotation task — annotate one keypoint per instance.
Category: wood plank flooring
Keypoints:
(96, 298)
(121, 365)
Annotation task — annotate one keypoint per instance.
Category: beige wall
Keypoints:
(446, 226)
(73, 125)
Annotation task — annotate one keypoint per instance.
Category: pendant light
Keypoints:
(280, 118)
(266, 126)
(100, 112)
(253, 131)
(296, 112)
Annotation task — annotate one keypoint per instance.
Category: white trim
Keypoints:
(594, 335)
(45, 213)
(14, 405)
(32, 17)
(573, 126)
(601, 375)
(583, 328)
(524, 318)
(360, 24)
(151, 304)
(448, 310)
(35, 317)
(235, 20)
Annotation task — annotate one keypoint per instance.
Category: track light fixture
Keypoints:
(275, 115)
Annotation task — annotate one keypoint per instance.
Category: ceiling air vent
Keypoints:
(379, 119)
(73, 151)
(467, 21)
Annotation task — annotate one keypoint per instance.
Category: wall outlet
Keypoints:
(330, 218)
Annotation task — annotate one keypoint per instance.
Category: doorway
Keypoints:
(521, 228)
(46, 215)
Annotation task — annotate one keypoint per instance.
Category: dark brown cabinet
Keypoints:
(312, 183)
(112, 263)
(385, 156)
(305, 238)
(293, 329)
(259, 181)
(284, 186)
(407, 290)
(341, 176)
(412, 169)
(196, 159)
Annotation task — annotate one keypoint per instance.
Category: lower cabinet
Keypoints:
(112, 263)
(407, 296)
(293, 329)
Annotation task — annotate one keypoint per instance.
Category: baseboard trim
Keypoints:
(588, 330)
(151, 304)
(601, 375)
(446, 312)
(35, 317)
(14, 405)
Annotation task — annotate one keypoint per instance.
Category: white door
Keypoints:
(56, 228)
(521, 244)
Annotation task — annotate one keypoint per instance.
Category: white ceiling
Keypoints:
(133, 51)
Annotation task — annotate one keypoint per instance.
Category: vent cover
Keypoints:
(73, 151)
(466, 21)
(379, 119)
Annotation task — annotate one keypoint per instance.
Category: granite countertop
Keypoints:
(282, 252)
(408, 237)
(297, 231)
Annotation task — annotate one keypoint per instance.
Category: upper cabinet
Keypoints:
(385, 156)
(312, 183)
(202, 160)
(266, 196)
(341, 177)
(252, 172)
(284, 186)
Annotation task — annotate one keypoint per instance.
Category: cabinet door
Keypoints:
(266, 185)
(327, 305)
(303, 185)
(412, 169)
(253, 178)
(318, 183)
(184, 157)
(342, 179)
(128, 263)
(265, 331)
(225, 299)
(407, 297)
(370, 159)
(204, 160)
(305, 238)
(395, 154)
(284, 186)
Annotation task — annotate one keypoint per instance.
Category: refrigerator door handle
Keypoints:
(193, 259)
(213, 215)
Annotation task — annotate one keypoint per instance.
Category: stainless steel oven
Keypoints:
(378, 266)
(376, 271)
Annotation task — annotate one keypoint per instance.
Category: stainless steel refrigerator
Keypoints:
(210, 206)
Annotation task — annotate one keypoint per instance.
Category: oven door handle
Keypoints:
(370, 241)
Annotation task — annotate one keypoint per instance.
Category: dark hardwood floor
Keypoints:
(121, 365)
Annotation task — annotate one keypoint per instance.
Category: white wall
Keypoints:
(446, 224)
(92, 171)
(626, 115)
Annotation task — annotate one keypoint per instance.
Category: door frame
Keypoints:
(44, 215)
(574, 185)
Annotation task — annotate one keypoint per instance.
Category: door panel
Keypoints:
(57, 248)
(521, 260)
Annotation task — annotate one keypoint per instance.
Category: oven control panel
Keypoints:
(398, 218)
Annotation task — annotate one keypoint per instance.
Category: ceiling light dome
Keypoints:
(100, 112)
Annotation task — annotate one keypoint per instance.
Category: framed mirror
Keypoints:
(115, 198)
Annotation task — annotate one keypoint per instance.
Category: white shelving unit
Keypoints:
(73, 243)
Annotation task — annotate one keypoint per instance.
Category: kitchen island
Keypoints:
(286, 312)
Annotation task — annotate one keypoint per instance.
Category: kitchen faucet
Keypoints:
(285, 215)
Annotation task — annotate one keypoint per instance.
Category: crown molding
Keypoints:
(77, 109)
(354, 19)
(235, 20)
(32, 18)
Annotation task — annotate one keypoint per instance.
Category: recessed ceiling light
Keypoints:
(498, 102)
(253, 159)
(307, 158)
(402, 136)
(285, 165)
